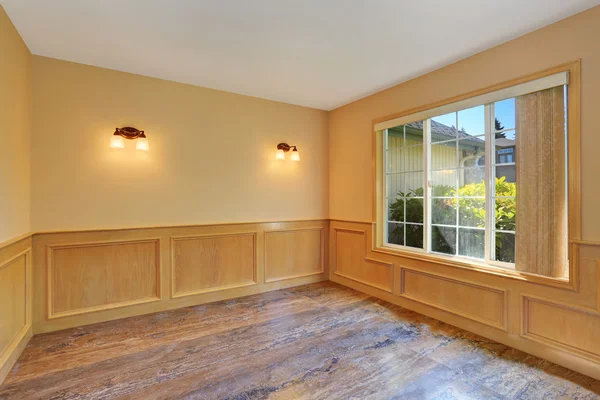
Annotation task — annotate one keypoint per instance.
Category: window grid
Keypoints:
(406, 173)
(460, 227)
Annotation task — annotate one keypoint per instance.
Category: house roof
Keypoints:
(504, 142)
(445, 130)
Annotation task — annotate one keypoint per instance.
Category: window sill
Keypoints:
(562, 283)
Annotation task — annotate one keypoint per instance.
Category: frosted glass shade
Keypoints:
(117, 142)
(142, 144)
(295, 155)
(280, 155)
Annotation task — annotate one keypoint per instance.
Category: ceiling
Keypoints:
(315, 53)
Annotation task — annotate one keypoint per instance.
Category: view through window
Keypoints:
(452, 180)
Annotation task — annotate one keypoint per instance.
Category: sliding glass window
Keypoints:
(457, 177)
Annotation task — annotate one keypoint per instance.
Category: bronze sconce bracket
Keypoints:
(285, 147)
(129, 133)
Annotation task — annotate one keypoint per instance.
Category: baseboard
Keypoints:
(13, 352)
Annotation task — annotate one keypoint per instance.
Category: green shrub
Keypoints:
(471, 213)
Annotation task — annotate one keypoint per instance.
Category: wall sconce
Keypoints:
(283, 148)
(117, 142)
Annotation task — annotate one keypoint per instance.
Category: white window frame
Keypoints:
(487, 100)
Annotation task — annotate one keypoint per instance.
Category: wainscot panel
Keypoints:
(480, 303)
(94, 276)
(15, 302)
(203, 264)
(562, 326)
(294, 253)
(351, 261)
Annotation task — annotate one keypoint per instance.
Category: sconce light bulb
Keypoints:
(142, 144)
(280, 155)
(295, 155)
(117, 142)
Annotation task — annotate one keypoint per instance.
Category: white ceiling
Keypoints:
(315, 53)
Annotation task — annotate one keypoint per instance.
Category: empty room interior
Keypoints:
(316, 199)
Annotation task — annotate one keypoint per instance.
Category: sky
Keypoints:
(473, 122)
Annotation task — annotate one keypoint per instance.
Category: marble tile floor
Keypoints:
(320, 341)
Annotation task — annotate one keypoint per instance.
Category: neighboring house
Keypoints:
(469, 168)
(506, 154)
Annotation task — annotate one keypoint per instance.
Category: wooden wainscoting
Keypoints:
(477, 302)
(560, 323)
(562, 326)
(202, 264)
(15, 302)
(294, 253)
(351, 262)
(94, 276)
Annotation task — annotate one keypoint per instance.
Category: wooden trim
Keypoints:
(210, 290)
(365, 283)
(370, 260)
(598, 285)
(503, 325)
(11, 354)
(574, 148)
(210, 224)
(8, 261)
(175, 294)
(366, 259)
(526, 298)
(16, 239)
(505, 273)
(50, 314)
(574, 176)
(585, 243)
(322, 241)
(350, 221)
(569, 66)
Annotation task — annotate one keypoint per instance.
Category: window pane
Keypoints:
(505, 147)
(471, 243)
(443, 128)
(506, 214)
(471, 212)
(443, 211)
(395, 186)
(413, 158)
(505, 247)
(395, 233)
(471, 122)
(395, 137)
(395, 158)
(506, 178)
(443, 240)
(413, 184)
(443, 155)
(396, 210)
(443, 183)
(471, 181)
(413, 133)
(504, 114)
(414, 210)
(471, 151)
(414, 236)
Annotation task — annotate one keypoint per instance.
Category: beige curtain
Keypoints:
(541, 184)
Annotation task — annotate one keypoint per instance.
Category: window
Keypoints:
(457, 178)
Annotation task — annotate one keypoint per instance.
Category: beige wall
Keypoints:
(211, 159)
(350, 136)
(15, 102)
